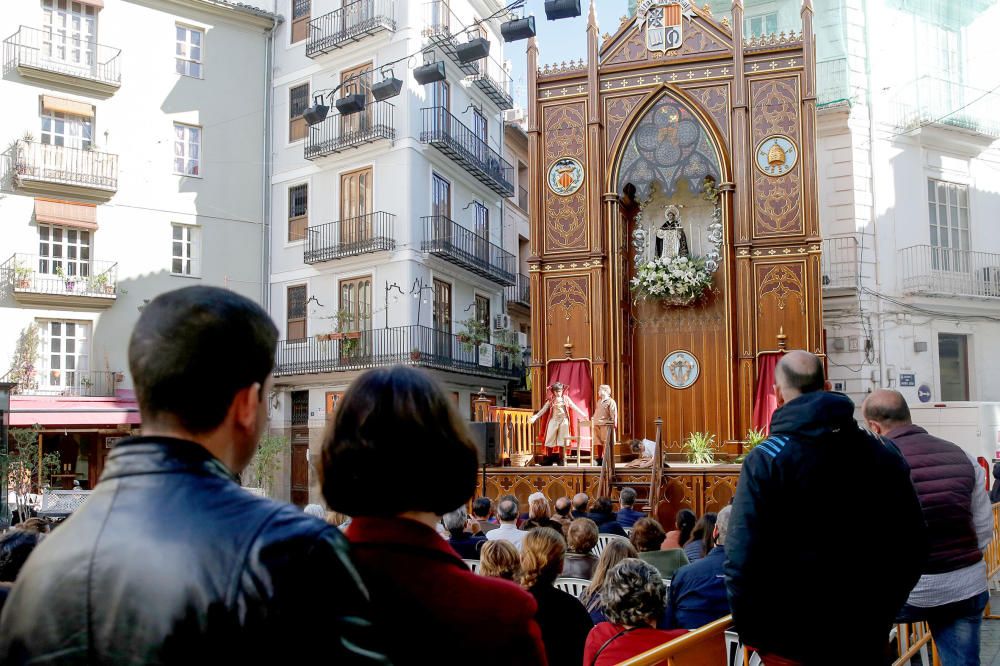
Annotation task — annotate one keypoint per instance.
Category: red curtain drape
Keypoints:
(579, 388)
(764, 400)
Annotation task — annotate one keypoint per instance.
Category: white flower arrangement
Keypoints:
(678, 281)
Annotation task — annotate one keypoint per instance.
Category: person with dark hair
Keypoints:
(647, 537)
(698, 590)
(701, 537)
(604, 515)
(419, 587)
(507, 514)
(169, 560)
(581, 537)
(460, 534)
(563, 620)
(633, 599)
(796, 477)
(15, 546)
(952, 591)
(482, 511)
(581, 504)
(684, 521)
(627, 515)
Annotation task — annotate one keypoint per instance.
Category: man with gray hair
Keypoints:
(698, 591)
(627, 515)
(580, 504)
(779, 540)
(462, 535)
(507, 514)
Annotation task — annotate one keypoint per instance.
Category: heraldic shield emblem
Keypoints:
(565, 176)
(664, 26)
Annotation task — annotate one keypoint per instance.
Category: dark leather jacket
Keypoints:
(171, 561)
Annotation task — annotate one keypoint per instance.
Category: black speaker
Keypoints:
(486, 435)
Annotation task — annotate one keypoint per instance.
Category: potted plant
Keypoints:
(475, 334)
(22, 275)
(415, 354)
(699, 448)
(754, 437)
(68, 281)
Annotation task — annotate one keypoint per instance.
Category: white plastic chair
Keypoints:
(473, 565)
(574, 586)
(603, 540)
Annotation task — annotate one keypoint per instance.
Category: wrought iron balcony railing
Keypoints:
(443, 28)
(352, 22)
(463, 247)
(936, 101)
(350, 237)
(941, 271)
(410, 345)
(35, 52)
(840, 262)
(40, 163)
(73, 383)
(338, 133)
(446, 133)
(494, 81)
(60, 276)
(520, 292)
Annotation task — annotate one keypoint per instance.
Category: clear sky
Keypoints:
(565, 39)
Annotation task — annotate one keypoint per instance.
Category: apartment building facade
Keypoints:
(129, 169)
(390, 237)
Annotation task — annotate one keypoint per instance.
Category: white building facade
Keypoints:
(133, 164)
(389, 239)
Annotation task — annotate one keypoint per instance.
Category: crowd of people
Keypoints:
(171, 561)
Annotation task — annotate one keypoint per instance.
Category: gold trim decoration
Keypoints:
(781, 156)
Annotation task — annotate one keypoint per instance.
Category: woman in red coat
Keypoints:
(397, 458)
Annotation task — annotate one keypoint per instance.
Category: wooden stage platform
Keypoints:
(700, 488)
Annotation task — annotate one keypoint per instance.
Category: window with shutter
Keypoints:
(298, 212)
(298, 102)
(296, 314)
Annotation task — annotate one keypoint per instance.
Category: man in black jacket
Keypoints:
(795, 564)
(170, 561)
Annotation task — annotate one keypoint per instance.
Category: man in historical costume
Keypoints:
(605, 419)
(557, 426)
(671, 241)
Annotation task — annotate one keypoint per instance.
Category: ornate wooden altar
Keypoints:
(660, 111)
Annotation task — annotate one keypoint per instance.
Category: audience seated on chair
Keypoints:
(562, 618)
(615, 552)
(684, 522)
(540, 515)
(604, 515)
(419, 587)
(482, 511)
(563, 506)
(627, 515)
(460, 537)
(633, 597)
(647, 536)
(500, 559)
(507, 514)
(580, 540)
(581, 504)
(698, 591)
(701, 538)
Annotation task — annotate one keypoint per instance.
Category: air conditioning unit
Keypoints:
(501, 322)
(991, 281)
(514, 115)
(522, 340)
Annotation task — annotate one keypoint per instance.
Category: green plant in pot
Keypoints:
(22, 275)
(754, 437)
(699, 448)
(68, 280)
(475, 333)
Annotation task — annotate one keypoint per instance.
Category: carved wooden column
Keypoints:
(602, 299)
(810, 175)
(536, 224)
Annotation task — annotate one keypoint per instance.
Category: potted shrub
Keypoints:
(22, 275)
(68, 281)
(414, 354)
(699, 448)
(754, 437)
(99, 284)
(475, 334)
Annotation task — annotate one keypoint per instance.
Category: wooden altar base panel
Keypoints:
(692, 487)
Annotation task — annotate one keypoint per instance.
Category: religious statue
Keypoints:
(557, 428)
(605, 419)
(671, 242)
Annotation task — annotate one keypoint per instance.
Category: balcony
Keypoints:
(935, 271)
(58, 282)
(946, 103)
(832, 82)
(53, 58)
(349, 238)
(442, 30)
(338, 133)
(41, 168)
(520, 292)
(71, 383)
(495, 82)
(446, 133)
(410, 345)
(351, 23)
(462, 247)
(840, 263)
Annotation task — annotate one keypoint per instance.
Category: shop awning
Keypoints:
(67, 412)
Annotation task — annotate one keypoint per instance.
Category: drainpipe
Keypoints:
(265, 197)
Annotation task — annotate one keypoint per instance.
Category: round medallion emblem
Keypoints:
(565, 176)
(776, 155)
(680, 369)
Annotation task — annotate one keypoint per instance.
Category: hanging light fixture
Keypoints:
(476, 48)
(317, 112)
(430, 71)
(353, 103)
(518, 28)
(560, 9)
(388, 87)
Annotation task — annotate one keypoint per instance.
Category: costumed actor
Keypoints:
(557, 428)
(605, 419)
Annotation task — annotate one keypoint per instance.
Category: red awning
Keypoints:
(26, 410)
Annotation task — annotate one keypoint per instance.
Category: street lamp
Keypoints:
(388, 288)
(5, 389)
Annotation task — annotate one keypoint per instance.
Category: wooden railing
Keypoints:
(516, 433)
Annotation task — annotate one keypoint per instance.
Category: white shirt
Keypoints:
(648, 448)
(507, 532)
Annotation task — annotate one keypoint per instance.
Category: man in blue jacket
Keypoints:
(698, 591)
(793, 564)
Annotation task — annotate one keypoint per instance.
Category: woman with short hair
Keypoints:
(500, 559)
(633, 597)
(562, 618)
(580, 560)
(540, 515)
(616, 551)
(647, 536)
(418, 585)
